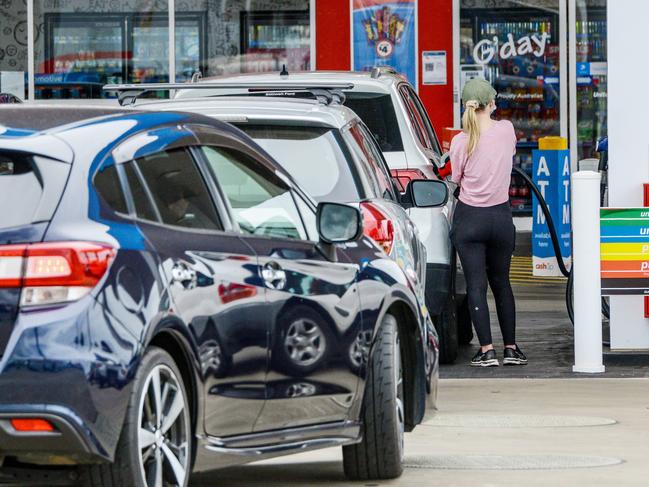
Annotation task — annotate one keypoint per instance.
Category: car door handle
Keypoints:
(183, 275)
(273, 275)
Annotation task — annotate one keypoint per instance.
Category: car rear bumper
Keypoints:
(70, 443)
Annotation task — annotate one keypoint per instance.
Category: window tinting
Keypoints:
(361, 144)
(261, 204)
(141, 201)
(428, 126)
(415, 117)
(178, 190)
(377, 112)
(20, 190)
(109, 188)
(313, 156)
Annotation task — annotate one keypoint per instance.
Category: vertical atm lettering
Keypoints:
(551, 173)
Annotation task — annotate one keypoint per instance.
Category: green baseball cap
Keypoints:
(478, 89)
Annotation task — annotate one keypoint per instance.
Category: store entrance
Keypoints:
(515, 46)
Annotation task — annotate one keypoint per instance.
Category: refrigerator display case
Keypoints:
(517, 50)
(90, 50)
(592, 69)
(271, 39)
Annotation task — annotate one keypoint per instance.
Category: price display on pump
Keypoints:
(624, 249)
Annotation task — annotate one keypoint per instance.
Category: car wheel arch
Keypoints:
(175, 343)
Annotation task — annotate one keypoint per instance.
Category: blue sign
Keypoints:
(551, 174)
(583, 69)
(384, 35)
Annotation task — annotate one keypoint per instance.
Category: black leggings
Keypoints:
(485, 238)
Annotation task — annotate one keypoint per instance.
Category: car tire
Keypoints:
(464, 325)
(170, 452)
(447, 329)
(379, 455)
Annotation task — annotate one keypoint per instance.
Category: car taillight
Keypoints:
(377, 226)
(54, 272)
(404, 176)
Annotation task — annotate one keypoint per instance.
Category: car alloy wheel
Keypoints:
(163, 439)
(398, 384)
(305, 342)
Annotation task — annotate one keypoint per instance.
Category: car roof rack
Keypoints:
(377, 71)
(324, 92)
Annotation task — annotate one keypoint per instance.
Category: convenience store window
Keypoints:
(591, 78)
(515, 46)
(245, 36)
(83, 44)
(13, 48)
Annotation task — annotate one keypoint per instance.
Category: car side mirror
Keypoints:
(338, 223)
(425, 193)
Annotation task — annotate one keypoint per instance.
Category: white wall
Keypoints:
(628, 128)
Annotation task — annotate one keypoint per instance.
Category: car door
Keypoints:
(212, 280)
(312, 302)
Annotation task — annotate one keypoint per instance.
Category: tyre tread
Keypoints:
(377, 455)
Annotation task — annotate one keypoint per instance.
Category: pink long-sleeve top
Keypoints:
(485, 176)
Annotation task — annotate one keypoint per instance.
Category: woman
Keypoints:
(483, 231)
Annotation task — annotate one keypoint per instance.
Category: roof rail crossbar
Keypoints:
(128, 93)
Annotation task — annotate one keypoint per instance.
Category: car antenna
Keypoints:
(284, 71)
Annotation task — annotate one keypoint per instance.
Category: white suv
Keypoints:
(395, 115)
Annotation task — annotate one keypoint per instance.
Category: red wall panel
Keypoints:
(333, 44)
(436, 34)
(333, 35)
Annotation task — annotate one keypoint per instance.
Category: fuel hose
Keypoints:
(556, 246)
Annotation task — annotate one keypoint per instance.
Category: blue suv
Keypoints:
(171, 302)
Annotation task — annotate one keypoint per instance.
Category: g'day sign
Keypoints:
(624, 250)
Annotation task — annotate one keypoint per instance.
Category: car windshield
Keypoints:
(312, 155)
(377, 111)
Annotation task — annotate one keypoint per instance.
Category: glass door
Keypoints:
(516, 46)
(82, 54)
(590, 82)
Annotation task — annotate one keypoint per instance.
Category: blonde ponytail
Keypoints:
(471, 126)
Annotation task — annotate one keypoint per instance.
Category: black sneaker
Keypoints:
(514, 357)
(487, 359)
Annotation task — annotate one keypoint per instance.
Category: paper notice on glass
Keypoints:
(13, 82)
(433, 67)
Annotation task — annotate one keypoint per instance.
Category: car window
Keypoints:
(363, 145)
(415, 118)
(376, 110)
(423, 115)
(20, 189)
(308, 217)
(313, 156)
(178, 190)
(378, 162)
(108, 186)
(261, 204)
(143, 207)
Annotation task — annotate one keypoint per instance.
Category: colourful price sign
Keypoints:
(624, 250)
